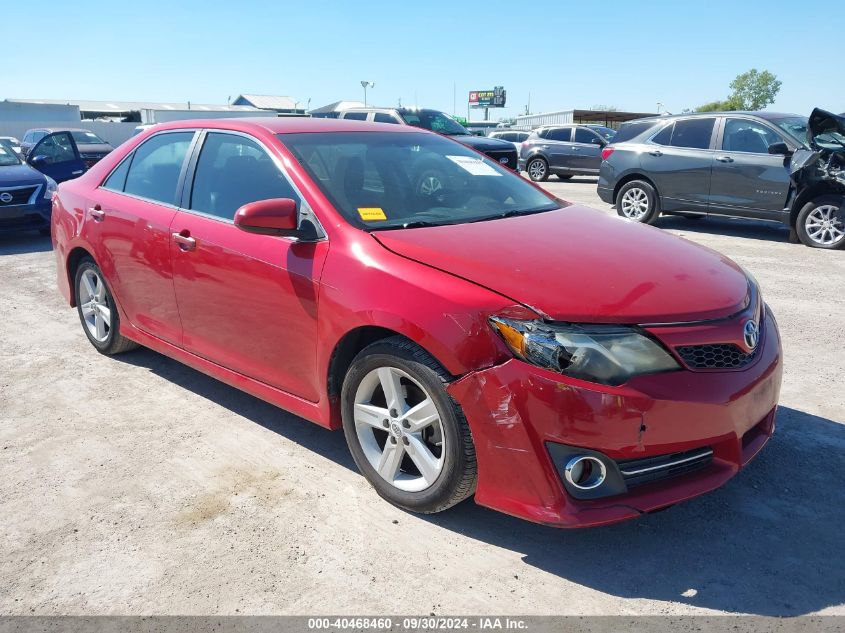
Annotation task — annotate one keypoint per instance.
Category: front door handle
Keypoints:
(97, 214)
(77, 172)
(185, 241)
(655, 152)
(724, 159)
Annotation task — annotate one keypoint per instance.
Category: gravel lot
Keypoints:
(134, 485)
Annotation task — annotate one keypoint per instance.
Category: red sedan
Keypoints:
(475, 337)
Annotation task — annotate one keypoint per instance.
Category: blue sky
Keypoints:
(564, 54)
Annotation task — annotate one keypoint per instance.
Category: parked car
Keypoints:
(91, 147)
(517, 137)
(734, 164)
(440, 122)
(15, 143)
(564, 150)
(25, 194)
(57, 156)
(294, 259)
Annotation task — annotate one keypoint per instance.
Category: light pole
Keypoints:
(365, 85)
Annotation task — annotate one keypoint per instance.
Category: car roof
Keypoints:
(761, 114)
(288, 125)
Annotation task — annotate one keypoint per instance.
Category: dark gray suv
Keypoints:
(725, 163)
(564, 150)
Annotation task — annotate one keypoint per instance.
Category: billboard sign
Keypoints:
(487, 98)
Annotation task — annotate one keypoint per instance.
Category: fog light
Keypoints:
(585, 472)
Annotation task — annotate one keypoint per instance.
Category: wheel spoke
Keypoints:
(89, 286)
(87, 308)
(370, 415)
(423, 459)
(105, 313)
(392, 390)
(391, 458)
(421, 415)
(100, 326)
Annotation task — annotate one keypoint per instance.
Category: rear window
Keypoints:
(690, 133)
(631, 130)
(356, 116)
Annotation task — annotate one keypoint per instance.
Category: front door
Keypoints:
(745, 176)
(679, 160)
(57, 156)
(247, 302)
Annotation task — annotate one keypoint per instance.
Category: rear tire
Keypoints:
(538, 169)
(637, 201)
(388, 440)
(97, 310)
(821, 223)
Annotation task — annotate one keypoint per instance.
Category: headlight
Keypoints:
(50, 189)
(606, 354)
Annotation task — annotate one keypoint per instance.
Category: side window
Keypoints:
(27, 138)
(38, 135)
(117, 179)
(57, 148)
(561, 134)
(743, 135)
(154, 172)
(233, 170)
(355, 116)
(693, 133)
(381, 117)
(583, 135)
(521, 137)
(664, 136)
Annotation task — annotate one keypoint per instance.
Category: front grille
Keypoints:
(722, 356)
(637, 472)
(16, 196)
(504, 154)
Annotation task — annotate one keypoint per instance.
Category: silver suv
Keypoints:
(564, 150)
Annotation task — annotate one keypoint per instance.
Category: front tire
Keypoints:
(637, 201)
(538, 169)
(406, 434)
(821, 223)
(97, 310)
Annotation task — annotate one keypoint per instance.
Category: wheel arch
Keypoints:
(76, 255)
(817, 190)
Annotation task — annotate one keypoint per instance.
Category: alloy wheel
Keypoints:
(634, 203)
(399, 429)
(94, 303)
(537, 169)
(430, 185)
(824, 225)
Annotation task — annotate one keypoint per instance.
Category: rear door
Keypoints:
(57, 156)
(558, 147)
(129, 220)
(747, 180)
(679, 159)
(247, 302)
(586, 150)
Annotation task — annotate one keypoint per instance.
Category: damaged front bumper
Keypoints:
(527, 421)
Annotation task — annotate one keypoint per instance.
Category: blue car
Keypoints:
(26, 188)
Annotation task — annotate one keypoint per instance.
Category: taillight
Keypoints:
(606, 152)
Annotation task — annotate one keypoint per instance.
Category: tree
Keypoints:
(755, 90)
(752, 90)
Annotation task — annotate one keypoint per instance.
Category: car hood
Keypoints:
(482, 143)
(578, 264)
(16, 175)
(824, 122)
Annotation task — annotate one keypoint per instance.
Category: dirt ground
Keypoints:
(134, 485)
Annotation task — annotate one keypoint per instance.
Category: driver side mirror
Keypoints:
(276, 216)
(779, 148)
(39, 161)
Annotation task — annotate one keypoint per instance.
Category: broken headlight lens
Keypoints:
(607, 354)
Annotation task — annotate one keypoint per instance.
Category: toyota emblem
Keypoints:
(751, 333)
(5, 197)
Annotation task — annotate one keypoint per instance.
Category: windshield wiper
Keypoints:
(515, 212)
(415, 224)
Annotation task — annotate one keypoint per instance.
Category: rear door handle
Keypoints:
(97, 214)
(185, 241)
(656, 152)
(724, 159)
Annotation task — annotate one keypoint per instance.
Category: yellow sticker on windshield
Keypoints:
(371, 214)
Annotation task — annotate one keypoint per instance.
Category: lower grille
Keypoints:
(723, 356)
(9, 197)
(637, 472)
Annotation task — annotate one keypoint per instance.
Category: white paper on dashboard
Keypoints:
(475, 166)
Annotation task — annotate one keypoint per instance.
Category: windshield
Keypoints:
(797, 128)
(8, 156)
(435, 121)
(83, 136)
(383, 180)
